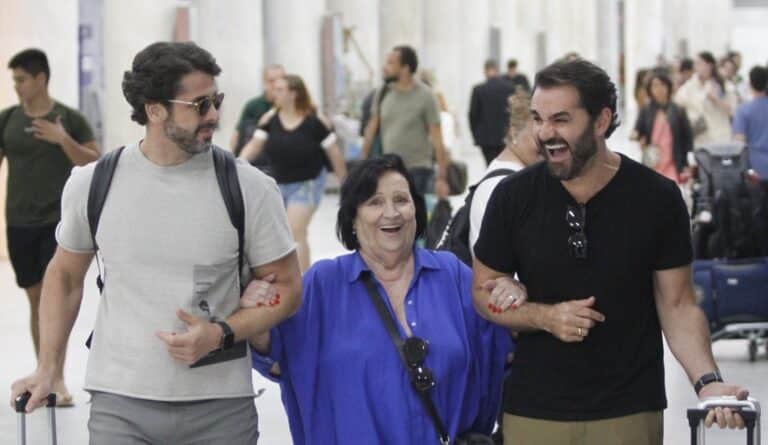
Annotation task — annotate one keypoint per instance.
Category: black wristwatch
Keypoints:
(706, 379)
(227, 336)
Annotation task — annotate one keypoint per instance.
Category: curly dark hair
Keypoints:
(156, 74)
(361, 184)
(596, 90)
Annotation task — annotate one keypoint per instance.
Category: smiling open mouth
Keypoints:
(556, 150)
(391, 229)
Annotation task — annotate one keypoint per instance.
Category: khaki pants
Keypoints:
(645, 428)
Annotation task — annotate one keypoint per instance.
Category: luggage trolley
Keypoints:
(731, 270)
(734, 297)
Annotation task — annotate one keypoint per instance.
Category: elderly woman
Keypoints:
(342, 378)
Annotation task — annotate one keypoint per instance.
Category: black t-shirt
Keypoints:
(295, 155)
(637, 224)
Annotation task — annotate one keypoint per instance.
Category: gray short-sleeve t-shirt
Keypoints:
(406, 117)
(167, 243)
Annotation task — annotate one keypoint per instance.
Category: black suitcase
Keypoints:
(21, 406)
(748, 409)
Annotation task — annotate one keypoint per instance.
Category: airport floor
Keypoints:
(18, 357)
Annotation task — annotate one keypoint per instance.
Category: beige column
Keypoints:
(643, 39)
(234, 35)
(361, 18)
(292, 32)
(401, 23)
(129, 26)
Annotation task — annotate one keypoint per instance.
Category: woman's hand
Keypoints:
(506, 293)
(260, 293)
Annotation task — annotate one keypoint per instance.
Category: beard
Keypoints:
(582, 153)
(187, 140)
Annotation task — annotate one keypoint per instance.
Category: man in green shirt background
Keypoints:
(253, 110)
(42, 140)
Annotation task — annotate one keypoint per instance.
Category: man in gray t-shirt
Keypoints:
(170, 259)
(405, 113)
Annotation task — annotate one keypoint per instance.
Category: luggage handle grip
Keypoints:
(697, 415)
(22, 400)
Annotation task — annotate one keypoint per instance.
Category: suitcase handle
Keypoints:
(696, 416)
(22, 400)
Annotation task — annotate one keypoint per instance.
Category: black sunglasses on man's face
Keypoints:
(203, 105)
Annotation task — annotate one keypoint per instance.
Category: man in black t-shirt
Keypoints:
(602, 245)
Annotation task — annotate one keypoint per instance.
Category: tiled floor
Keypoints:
(17, 358)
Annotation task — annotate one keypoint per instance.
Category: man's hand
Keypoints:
(260, 293)
(201, 338)
(723, 416)
(506, 293)
(39, 384)
(570, 321)
(48, 131)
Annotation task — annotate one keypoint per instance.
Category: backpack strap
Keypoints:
(229, 185)
(4, 123)
(489, 175)
(97, 196)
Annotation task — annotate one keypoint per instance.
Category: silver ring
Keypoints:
(580, 332)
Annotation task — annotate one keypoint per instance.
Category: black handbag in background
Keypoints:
(456, 177)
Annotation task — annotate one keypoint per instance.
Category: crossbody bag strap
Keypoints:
(394, 334)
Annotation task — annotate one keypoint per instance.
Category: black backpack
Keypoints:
(456, 234)
(4, 123)
(723, 190)
(229, 186)
(226, 176)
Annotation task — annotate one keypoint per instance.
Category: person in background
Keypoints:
(641, 80)
(449, 128)
(515, 78)
(706, 101)
(520, 152)
(406, 115)
(341, 377)
(299, 144)
(488, 114)
(729, 72)
(684, 71)
(750, 125)
(252, 112)
(663, 130)
(42, 140)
